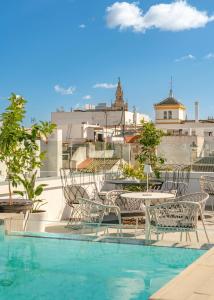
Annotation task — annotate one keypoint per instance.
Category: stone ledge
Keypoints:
(194, 283)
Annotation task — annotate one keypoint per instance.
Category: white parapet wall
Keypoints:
(178, 150)
(194, 182)
(55, 206)
(53, 149)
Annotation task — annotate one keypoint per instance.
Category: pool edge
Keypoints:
(197, 280)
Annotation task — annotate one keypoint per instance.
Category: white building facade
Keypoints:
(185, 140)
(117, 117)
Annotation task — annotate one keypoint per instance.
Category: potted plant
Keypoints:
(33, 192)
(19, 150)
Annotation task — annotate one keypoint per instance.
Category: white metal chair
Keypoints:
(177, 216)
(129, 208)
(176, 188)
(77, 185)
(200, 197)
(92, 212)
(207, 185)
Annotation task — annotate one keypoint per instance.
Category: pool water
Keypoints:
(49, 269)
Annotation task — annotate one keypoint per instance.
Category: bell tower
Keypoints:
(119, 103)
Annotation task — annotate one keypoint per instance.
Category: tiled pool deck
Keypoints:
(195, 283)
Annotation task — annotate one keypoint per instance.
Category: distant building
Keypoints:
(115, 117)
(119, 103)
(169, 111)
(186, 140)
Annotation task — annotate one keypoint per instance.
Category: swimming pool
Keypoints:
(49, 269)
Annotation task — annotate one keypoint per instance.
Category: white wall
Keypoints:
(198, 127)
(177, 114)
(114, 118)
(53, 161)
(178, 150)
(194, 183)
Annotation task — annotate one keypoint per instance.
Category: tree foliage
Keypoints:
(19, 148)
(150, 138)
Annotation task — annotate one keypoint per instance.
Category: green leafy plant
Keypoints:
(133, 171)
(19, 148)
(32, 191)
(150, 138)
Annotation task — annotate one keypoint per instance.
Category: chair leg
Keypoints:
(136, 226)
(205, 230)
(181, 236)
(157, 236)
(149, 235)
(162, 236)
(120, 223)
(188, 234)
(196, 232)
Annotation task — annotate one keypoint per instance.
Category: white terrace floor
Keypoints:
(131, 235)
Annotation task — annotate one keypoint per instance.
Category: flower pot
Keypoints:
(36, 221)
(17, 206)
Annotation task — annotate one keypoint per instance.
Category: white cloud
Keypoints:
(176, 16)
(186, 57)
(105, 86)
(209, 56)
(64, 91)
(87, 97)
(82, 26)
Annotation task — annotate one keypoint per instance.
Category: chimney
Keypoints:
(196, 111)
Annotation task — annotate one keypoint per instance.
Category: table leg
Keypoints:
(147, 226)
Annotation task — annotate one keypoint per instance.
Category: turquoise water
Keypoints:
(49, 269)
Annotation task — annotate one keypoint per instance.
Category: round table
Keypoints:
(132, 181)
(148, 198)
(127, 182)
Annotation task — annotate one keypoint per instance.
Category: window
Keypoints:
(170, 114)
(165, 114)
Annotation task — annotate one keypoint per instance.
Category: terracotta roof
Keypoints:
(169, 101)
(97, 164)
(84, 164)
(131, 139)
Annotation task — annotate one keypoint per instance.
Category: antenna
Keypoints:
(171, 88)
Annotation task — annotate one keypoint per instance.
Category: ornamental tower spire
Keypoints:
(119, 103)
(171, 89)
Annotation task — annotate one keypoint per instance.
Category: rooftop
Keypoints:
(169, 101)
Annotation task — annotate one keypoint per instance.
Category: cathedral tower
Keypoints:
(119, 103)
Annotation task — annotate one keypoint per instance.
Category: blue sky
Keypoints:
(54, 52)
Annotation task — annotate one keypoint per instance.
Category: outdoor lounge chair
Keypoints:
(76, 186)
(128, 208)
(200, 198)
(177, 216)
(207, 185)
(177, 188)
(92, 212)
